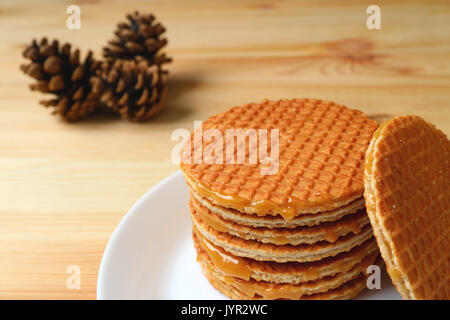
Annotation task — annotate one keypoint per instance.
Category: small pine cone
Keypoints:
(135, 89)
(58, 71)
(138, 37)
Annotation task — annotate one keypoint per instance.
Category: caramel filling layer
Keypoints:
(228, 264)
(233, 266)
(210, 219)
(228, 268)
(262, 207)
(217, 224)
(353, 226)
(272, 291)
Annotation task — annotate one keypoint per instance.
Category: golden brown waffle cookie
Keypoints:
(330, 231)
(269, 221)
(279, 253)
(407, 191)
(321, 153)
(289, 272)
(346, 291)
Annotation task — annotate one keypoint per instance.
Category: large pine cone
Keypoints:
(58, 70)
(134, 89)
(139, 36)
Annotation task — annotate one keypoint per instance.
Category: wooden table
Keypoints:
(64, 187)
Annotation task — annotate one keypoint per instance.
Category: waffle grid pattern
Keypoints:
(321, 152)
(413, 193)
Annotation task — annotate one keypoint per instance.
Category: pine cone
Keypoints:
(58, 70)
(139, 36)
(135, 89)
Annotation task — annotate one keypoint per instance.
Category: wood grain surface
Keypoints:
(64, 187)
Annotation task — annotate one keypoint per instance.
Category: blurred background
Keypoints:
(65, 186)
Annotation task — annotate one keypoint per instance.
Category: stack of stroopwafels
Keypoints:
(299, 231)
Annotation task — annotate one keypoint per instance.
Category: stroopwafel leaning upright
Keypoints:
(407, 191)
(276, 200)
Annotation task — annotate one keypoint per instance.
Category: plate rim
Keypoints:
(121, 226)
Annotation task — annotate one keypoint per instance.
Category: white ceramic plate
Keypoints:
(150, 254)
